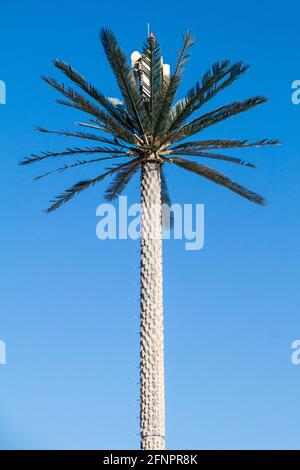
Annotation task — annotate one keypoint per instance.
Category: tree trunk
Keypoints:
(152, 399)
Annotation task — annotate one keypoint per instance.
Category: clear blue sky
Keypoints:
(69, 302)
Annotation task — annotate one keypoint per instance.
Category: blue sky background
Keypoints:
(69, 302)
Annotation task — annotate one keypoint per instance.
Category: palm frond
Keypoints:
(81, 186)
(124, 76)
(121, 116)
(214, 117)
(215, 156)
(153, 72)
(85, 135)
(167, 217)
(201, 93)
(70, 151)
(175, 80)
(112, 128)
(217, 178)
(79, 102)
(121, 179)
(222, 143)
(73, 165)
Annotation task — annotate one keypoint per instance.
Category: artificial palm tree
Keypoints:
(144, 132)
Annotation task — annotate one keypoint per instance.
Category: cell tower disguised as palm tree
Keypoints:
(144, 131)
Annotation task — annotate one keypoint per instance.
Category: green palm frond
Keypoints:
(222, 143)
(217, 178)
(78, 101)
(112, 128)
(122, 117)
(171, 88)
(74, 165)
(201, 93)
(125, 78)
(214, 117)
(167, 217)
(81, 186)
(153, 71)
(74, 191)
(85, 135)
(121, 179)
(215, 156)
(70, 151)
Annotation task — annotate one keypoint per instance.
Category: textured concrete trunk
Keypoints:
(152, 399)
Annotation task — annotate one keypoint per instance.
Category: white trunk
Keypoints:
(152, 399)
